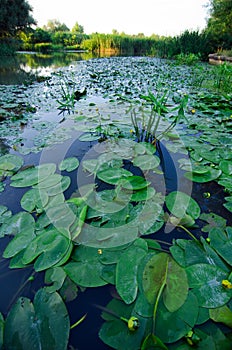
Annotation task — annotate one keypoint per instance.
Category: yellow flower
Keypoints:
(193, 111)
(133, 323)
(227, 284)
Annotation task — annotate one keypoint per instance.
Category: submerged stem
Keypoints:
(188, 232)
(158, 298)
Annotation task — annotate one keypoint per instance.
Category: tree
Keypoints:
(220, 21)
(14, 16)
(54, 25)
(78, 29)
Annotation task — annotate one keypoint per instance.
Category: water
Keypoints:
(23, 66)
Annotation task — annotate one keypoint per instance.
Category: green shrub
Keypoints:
(43, 47)
(188, 59)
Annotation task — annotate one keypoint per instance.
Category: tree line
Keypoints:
(17, 32)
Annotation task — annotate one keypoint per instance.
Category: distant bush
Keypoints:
(43, 47)
(188, 59)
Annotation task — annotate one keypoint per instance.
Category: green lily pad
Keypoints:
(203, 175)
(143, 194)
(134, 183)
(126, 270)
(226, 166)
(69, 164)
(113, 175)
(36, 326)
(172, 326)
(179, 204)
(18, 223)
(86, 270)
(206, 283)
(50, 247)
(5, 214)
(221, 241)
(34, 199)
(11, 162)
(222, 314)
(32, 176)
(161, 271)
(146, 162)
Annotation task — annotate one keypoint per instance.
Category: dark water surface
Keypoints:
(24, 65)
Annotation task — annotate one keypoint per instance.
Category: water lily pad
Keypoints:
(23, 324)
(221, 241)
(18, 223)
(34, 199)
(86, 271)
(49, 248)
(226, 166)
(161, 271)
(10, 162)
(69, 164)
(203, 175)
(179, 204)
(4, 214)
(146, 162)
(126, 271)
(113, 175)
(172, 326)
(32, 176)
(134, 183)
(143, 194)
(206, 283)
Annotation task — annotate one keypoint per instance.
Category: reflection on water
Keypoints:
(24, 65)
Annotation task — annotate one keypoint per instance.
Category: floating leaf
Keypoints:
(226, 166)
(180, 203)
(32, 176)
(56, 277)
(10, 162)
(203, 175)
(222, 243)
(146, 162)
(86, 271)
(222, 314)
(113, 175)
(50, 247)
(50, 181)
(143, 194)
(36, 326)
(34, 199)
(115, 332)
(69, 164)
(126, 271)
(152, 342)
(5, 214)
(172, 326)
(18, 223)
(161, 270)
(134, 183)
(206, 282)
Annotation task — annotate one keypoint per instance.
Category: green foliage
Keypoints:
(219, 24)
(36, 325)
(43, 47)
(189, 59)
(14, 16)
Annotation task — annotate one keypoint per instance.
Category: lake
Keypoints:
(94, 114)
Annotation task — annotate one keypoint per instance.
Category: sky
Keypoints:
(162, 17)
